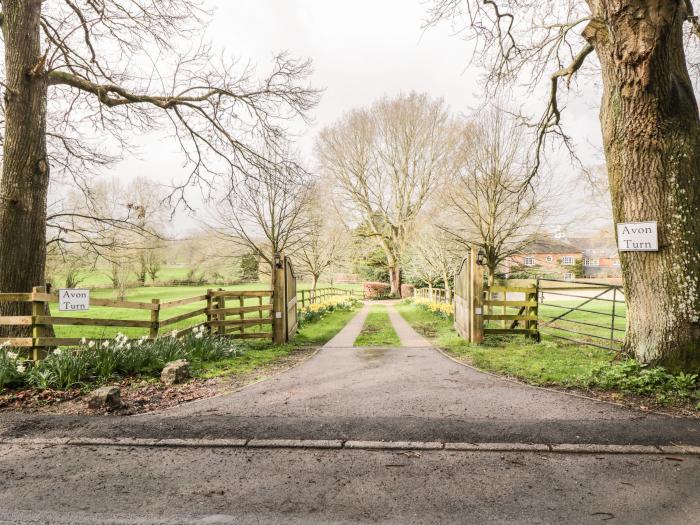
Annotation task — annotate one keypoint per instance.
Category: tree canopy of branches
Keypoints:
(328, 240)
(82, 67)
(485, 205)
(645, 51)
(387, 160)
(433, 256)
(267, 212)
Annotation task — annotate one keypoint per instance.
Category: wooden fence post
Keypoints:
(241, 303)
(279, 308)
(210, 306)
(38, 331)
(220, 305)
(155, 319)
(477, 310)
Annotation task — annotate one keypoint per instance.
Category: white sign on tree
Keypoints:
(637, 237)
(73, 300)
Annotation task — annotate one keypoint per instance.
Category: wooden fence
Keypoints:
(436, 295)
(307, 297)
(221, 311)
(240, 314)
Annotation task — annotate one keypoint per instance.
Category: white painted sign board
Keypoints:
(637, 237)
(73, 300)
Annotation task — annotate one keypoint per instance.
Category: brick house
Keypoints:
(547, 256)
(600, 256)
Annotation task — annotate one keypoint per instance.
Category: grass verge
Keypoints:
(378, 330)
(552, 363)
(259, 354)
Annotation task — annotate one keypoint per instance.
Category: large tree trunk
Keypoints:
(25, 171)
(395, 280)
(651, 133)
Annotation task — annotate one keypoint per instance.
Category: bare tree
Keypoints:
(650, 127)
(433, 255)
(386, 160)
(328, 239)
(83, 61)
(485, 205)
(267, 213)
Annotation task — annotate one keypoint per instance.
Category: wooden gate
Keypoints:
(469, 290)
(517, 316)
(462, 299)
(290, 299)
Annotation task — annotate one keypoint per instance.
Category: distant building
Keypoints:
(547, 257)
(600, 256)
(568, 258)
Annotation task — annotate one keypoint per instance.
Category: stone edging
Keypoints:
(563, 448)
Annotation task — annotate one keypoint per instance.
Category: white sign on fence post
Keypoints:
(73, 299)
(637, 237)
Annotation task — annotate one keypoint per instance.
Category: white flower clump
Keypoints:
(198, 331)
(21, 368)
(121, 341)
(12, 355)
(58, 351)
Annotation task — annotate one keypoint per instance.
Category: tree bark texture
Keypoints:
(395, 280)
(651, 133)
(25, 171)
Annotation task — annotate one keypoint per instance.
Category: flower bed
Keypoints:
(444, 310)
(109, 360)
(316, 311)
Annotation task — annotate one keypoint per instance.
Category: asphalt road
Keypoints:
(412, 393)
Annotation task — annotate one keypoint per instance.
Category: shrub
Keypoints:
(374, 290)
(629, 376)
(407, 291)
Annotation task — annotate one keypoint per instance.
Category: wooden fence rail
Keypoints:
(215, 314)
(436, 295)
(306, 297)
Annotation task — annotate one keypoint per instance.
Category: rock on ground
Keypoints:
(105, 397)
(175, 372)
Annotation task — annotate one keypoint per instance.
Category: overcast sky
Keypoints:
(361, 50)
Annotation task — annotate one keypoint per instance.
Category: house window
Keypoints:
(616, 262)
(529, 261)
(550, 258)
(567, 261)
(591, 262)
(568, 276)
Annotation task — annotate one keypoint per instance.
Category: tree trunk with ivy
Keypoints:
(24, 181)
(651, 133)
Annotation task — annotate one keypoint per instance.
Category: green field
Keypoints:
(378, 330)
(165, 294)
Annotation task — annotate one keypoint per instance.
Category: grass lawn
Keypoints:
(548, 362)
(257, 354)
(377, 330)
